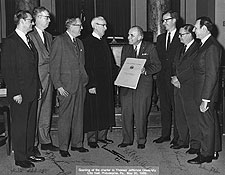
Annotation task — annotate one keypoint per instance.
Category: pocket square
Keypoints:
(144, 54)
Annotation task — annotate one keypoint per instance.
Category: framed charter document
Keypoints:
(130, 73)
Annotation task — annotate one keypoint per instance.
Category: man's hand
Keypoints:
(92, 90)
(203, 106)
(18, 99)
(143, 71)
(63, 92)
(40, 94)
(175, 81)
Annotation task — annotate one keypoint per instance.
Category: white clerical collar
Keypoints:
(96, 35)
(71, 37)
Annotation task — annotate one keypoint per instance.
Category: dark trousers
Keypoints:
(70, 123)
(136, 106)
(209, 127)
(187, 123)
(23, 128)
(94, 136)
(166, 96)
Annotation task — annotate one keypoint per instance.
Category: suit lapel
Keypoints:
(142, 48)
(22, 42)
(39, 40)
(70, 43)
(175, 37)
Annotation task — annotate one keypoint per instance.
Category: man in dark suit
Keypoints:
(167, 45)
(42, 41)
(183, 79)
(136, 103)
(99, 113)
(69, 78)
(20, 72)
(206, 83)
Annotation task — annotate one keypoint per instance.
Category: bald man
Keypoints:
(136, 103)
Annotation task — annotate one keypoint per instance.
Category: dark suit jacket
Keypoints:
(66, 64)
(184, 69)
(206, 71)
(167, 56)
(43, 53)
(20, 68)
(152, 65)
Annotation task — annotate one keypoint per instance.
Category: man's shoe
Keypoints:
(36, 151)
(174, 142)
(215, 156)
(141, 146)
(123, 145)
(80, 149)
(193, 151)
(93, 144)
(161, 140)
(179, 146)
(106, 141)
(49, 147)
(36, 159)
(24, 164)
(200, 159)
(64, 153)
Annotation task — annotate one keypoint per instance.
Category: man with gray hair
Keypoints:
(69, 78)
(136, 103)
(99, 113)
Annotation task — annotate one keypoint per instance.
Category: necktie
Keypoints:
(135, 51)
(184, 49)
(29, 42)
(45, 41)
(168, 41)
(75, 44)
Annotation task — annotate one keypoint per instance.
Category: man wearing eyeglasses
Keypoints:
(183, 79)
(20, 72)
(99, 113)
(69, 78)
(167, 45)
(42, 41)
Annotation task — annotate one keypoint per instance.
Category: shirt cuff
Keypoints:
(206, 100)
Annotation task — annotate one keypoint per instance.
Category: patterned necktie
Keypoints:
(75, 44)
(45, 41)
(29, 42)
(168, 42)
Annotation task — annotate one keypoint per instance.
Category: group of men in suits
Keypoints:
(37, 64)
(188, 87)
(20, 72)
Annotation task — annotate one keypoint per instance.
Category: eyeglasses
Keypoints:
(78, 25)
(103, 25)
(181, 34)
(47, 17)
(165, 20)
(31, 20)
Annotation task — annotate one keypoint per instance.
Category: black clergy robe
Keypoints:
(99, 112)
